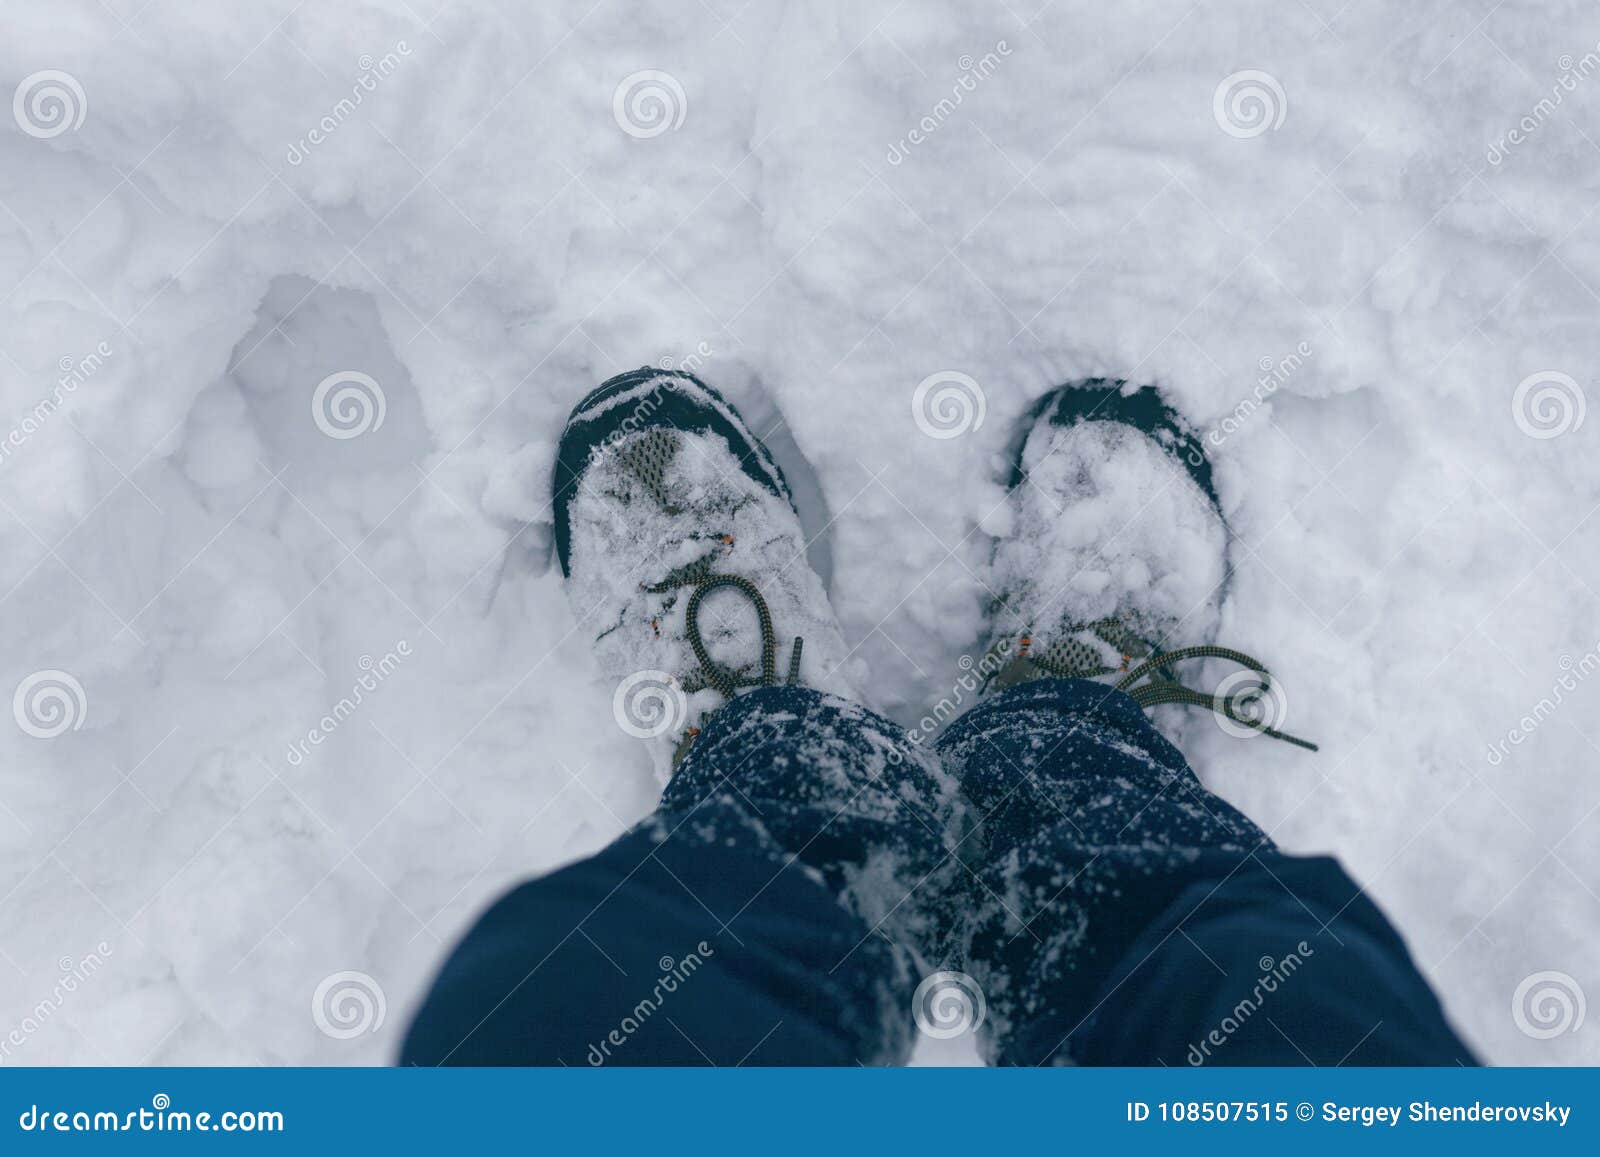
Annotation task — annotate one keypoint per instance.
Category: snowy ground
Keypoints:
(483, 240)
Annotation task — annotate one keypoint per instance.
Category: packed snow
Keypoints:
(1108, 526)
(294, 299)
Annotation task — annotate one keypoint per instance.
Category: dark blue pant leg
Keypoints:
(776, 910)
(1126, 916)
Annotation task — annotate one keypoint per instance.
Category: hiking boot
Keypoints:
(1117, 549)
(684, 557)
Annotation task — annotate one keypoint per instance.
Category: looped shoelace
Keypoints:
(1162, 687)
(715, 675)
(1166, 690)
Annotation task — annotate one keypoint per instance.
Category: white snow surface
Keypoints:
(1108, 525)
(482, 239)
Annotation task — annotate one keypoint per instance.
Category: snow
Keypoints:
(1108, 525)
(480, 237)
(639, 541)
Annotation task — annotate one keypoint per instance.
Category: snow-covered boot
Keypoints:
(1117, 548)
(684, 557)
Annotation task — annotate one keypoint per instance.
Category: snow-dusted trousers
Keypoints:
(817, 887)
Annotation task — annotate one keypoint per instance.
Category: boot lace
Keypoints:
(1151, 683)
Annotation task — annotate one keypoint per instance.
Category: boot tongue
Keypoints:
(1083, 653)
(648, 458)
(1102, 652)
